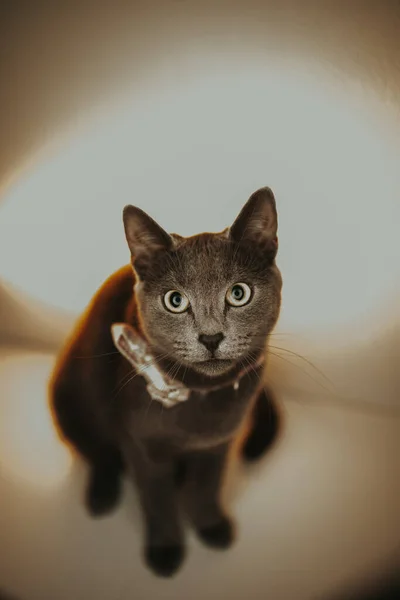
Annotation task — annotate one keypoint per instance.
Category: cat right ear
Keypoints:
(144, 236)
(257, 223)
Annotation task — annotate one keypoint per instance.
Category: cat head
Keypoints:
(210, 300)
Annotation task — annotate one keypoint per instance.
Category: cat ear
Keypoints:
(257, 222)
(144, 236)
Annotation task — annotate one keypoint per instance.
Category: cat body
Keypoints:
(205, 306)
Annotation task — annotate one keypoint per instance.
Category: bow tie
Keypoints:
(160, 387)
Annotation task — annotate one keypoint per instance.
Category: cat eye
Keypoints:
(176, 302)
(238, 295)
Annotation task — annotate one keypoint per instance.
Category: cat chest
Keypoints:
(204, 419)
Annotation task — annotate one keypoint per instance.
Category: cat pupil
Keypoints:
(176, 299)
(238, 292)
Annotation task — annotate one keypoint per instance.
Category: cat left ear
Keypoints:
(144, 236)
(257, 222)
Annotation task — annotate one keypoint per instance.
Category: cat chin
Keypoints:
(213, 368)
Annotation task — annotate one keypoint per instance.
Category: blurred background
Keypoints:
(184, 109)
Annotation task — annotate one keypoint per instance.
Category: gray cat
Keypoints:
(203, 307)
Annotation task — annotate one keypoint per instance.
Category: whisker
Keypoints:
(306, 360)
(175, 371)
(135, 373)
(96, 355)
(302, 370)
(184, 373)
(387, 410)
(123, 378)
(270, 347)
(281, 334)
(249, 364)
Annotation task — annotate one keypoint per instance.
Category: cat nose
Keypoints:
(211, 342)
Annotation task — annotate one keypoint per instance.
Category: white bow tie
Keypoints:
(160, 387)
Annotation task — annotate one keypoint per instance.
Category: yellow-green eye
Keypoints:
(176, 302)
(238, 295)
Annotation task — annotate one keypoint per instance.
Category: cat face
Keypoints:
(208, 301)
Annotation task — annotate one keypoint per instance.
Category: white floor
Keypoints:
(322, 510)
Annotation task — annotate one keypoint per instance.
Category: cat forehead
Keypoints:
(204, 261)
(205, 256)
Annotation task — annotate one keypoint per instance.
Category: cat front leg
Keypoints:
(265, 427)
(154, 472)
(204, 478)
(74, 417)
(105, 480)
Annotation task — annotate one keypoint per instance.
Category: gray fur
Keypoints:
(105, 410)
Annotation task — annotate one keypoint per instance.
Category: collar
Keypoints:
(172, 392)
(162, 388)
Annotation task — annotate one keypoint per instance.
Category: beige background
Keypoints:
(322, 511)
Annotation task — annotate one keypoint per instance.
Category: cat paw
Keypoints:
(103, 492)
(164, 561)
(220, 535)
